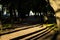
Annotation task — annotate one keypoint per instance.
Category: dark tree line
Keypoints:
(24, 7)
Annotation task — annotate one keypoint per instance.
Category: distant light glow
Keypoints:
(16, 13)
(31, 13)
(39, 14)
(36, 13)
(0, 7)
(5, 12)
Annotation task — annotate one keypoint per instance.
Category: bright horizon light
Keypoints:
(5, 12)
(31, 13)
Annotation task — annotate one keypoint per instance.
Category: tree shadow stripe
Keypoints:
(43, 34)
(37, 34)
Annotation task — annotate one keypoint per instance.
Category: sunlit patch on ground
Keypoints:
(32, 29)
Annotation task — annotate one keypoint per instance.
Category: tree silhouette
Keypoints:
(24, 7)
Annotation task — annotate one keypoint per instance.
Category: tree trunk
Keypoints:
(56, 8)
